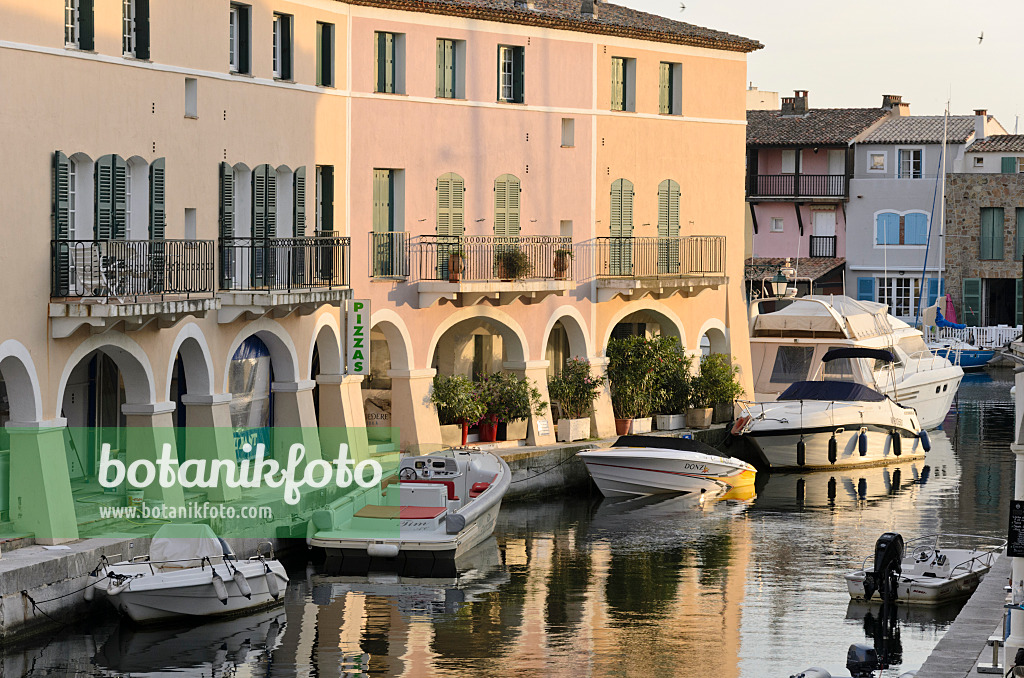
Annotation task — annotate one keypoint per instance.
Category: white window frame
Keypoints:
(234, 47)
(568, 132)
(72, 23)
(897, 288)
(508, 79)
(978, 162)
(885, 161)
(899, 160)
(72, 195)
(278, 44)
(787, 153)
(779, 222)
(129, 36)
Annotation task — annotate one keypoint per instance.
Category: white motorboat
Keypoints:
(643, 465)
(925, 570)
(189, 572)
(787, 343)
(819, 424)
(434, 510)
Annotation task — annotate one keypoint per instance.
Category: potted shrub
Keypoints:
(458, 407)
(563, 257)
(506, 398)
(715, 383)
(511, 263)
(456, 258)
(575, 389)
(634, 383)
(674, 386)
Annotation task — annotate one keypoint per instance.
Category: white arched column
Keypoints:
(540, 430)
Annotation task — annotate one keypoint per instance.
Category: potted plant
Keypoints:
(575, 389)
(458, 407)
(563, 257)
(455, 265)
(634, 383)
(674, 384)
(511, 263)
(506, 398)
(715, 383)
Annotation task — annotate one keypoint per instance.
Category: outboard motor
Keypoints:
(862, 660)
(888, 568)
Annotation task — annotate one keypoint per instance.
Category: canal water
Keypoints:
(747, 586)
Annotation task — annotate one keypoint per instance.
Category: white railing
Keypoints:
(982, 337)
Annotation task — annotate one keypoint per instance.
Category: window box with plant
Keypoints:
(575, 389)
(634, 383)
(563, 259)
(511, 263)
(715, 386)
(458, 407)
(506, 398)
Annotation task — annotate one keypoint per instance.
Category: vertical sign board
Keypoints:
(357, 338)
(1015, 534)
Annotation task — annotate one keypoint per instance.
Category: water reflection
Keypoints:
(746, 586)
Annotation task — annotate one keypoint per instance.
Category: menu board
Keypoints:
(1015, 535)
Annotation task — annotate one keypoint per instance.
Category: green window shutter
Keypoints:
(382, 221)
(440, 70)
(320, 38)
(389, 63)
(444, 205)
(971, 311)
(458, 205)
(519, 75)
(618, 84)
(103, 223)
(244, 33)
(142, 29)
(157, 221)
(1019, 236)
(287, 38)
(327, 197)
(378, 62)
(449, 69)
(668, 226)
(514, 194)
(1009, 165)
(665, 89)
(621, 227)
(500, 207)
(299, 196)
(61, 224)
(271, 202)
(450, 217)
(120, 198)
(991, 241)
(1020, 303)
(86, 26)
(227, 224)
(259, 225)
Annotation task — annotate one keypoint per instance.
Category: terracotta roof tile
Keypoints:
(763, 268)
(822, 126)
(922, 129)
(1007, 143)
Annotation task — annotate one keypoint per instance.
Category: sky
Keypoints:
(848, 54)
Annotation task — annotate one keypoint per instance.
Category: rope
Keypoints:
(551, 468)
(48, 600)
(35, 608)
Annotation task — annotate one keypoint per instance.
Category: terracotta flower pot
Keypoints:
(622, 426)
(454, 267)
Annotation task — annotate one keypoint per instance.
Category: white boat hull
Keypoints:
(631, 472)
(921, 590)
(780, 450)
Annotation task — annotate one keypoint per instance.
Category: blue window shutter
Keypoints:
(865, 289)
(933, 291)
(887, 231)
(915, 229)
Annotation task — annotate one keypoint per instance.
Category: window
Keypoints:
(840, 369)
(387, 219)
(1019, 250)
(190, 223)
(324, 198)
(128, 27)
(906, 229)
(901, 294)
(568, 132)
(876, 162)
(191, 98)
(776, 225)
(448, 71)
(991, 242)
(386, 67)
(670, 89)
(979, 161)
(324, 54)
(78, 24)
(911, 164)
(623, 84)
(1012, 165)
(282, 57)
(788, 161)
(792, 364)
(238, 42)
(511, 74)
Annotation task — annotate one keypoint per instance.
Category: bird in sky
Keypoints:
(682, 7)
(981, 37)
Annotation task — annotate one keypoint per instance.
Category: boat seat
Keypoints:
(450, 484)
(403, 512)
(479, 488)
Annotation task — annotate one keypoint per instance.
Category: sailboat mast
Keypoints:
(942, 204)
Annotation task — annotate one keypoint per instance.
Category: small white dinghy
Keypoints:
(643, 465)
(925, 570)
(189, 572)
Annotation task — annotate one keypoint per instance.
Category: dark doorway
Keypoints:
(1000, 298)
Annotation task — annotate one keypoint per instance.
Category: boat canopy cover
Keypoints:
(830, 390)
(863, 319)
(186, 544)
(876, 353)
(661, 443)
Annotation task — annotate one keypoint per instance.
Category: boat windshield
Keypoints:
(915, 347)
(840, 369)
(792, 364)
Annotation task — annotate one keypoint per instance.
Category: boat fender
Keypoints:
(833, 449)
(382, 550)
(454, 523)
(862, 488)
(897, 443)
(741, 423)
(801, 453)
(90, 591)
(926, 442)
(813, 672)
(218, 586)
(242, 584)
(862, 443)
(272, 586)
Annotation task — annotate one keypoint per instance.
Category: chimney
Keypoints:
(589, 9)
(980, 118)
(890, 100)
(796, 104)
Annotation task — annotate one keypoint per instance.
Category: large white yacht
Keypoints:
(788, 343)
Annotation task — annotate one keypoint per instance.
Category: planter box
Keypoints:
(516, 430)
(573, 429)
(641, 425)
(699, 418)
(451, 435)
(723, 413)
(669, 422)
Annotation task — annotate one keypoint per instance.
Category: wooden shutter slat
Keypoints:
(972, 301)
(157, 222)
(103, 228)
(665, 89)
(439, 74)
(1009, 166)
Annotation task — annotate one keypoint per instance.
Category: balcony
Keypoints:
(471, 268)
(823, 246)
(791, 186)
(279, 276)
(103, 283)
(636, 267)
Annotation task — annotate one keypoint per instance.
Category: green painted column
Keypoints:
(149, 428)
(209, 437)
(295, 420)
(40, 488)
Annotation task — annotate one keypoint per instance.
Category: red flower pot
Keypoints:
(488, 431)
(622, 426)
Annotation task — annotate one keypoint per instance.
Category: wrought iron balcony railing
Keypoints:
(792, 185)
(823, 246)
(129, 269)
(702, 255)
(321, 261)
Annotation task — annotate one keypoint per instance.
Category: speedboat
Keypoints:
(788, 342)
(925, 570)
(643, 465)
(435, 509)
(819, 424)
(189, 572)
